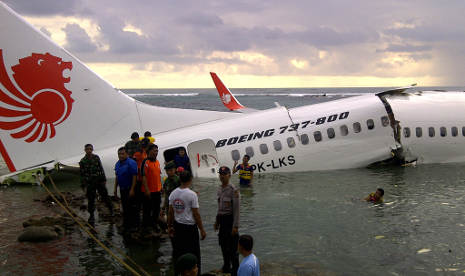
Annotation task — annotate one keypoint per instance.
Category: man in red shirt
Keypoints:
(151, 188)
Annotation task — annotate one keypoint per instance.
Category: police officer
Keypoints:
(227, 221)
(92, 180)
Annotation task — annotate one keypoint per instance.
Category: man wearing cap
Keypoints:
(133, 145)
(227, 221)
(171, 183)
(92, 180)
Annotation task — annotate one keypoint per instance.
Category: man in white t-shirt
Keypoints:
(184, 221)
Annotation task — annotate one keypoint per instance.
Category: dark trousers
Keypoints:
(228, 244)
(91, 193)
(151, 210)
(186, 240)
(128, 210)
(137, 203)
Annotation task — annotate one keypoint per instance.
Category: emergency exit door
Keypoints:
(203, 157)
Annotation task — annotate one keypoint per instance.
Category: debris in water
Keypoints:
(424, 250)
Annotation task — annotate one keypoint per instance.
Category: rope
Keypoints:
(95, 230)
(122, 262)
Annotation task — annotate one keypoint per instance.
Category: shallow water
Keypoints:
(303, 224)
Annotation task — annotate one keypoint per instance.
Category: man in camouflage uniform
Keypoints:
(227, 221)
(171, 183)
(92, 180)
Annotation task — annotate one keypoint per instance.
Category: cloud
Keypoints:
(296, 37)
(77, 39)
(44, 7)
(406, 48)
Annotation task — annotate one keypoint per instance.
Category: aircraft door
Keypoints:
(203, 158)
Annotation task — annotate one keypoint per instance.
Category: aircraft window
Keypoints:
(277, 145)
(406, 132)
(370, 124)
(291, 142)
(463, 131)
(431, 131)
(235, 155)
(331, 133)
(317, 136)
(454, 131)
(357, 127)
(264, 148)
(384, 121)
(419, 131)
(443, 131)
(344, 130)
(249, 151)
(304, 139)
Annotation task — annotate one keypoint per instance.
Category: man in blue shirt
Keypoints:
(250, 266)
(126, 176)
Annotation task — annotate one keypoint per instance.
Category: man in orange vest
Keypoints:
(151, 188)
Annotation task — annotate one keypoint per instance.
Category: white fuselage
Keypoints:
(348, 133)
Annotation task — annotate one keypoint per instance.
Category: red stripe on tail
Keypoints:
(7, 158)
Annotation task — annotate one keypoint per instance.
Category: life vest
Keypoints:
(151, 171)
(245, 173)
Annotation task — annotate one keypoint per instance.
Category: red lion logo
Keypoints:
(41, 102)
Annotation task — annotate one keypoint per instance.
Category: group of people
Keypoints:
(185, 223)
(138, 176)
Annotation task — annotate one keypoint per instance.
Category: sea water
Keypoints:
(312, 223)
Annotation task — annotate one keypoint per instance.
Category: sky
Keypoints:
(258, 43)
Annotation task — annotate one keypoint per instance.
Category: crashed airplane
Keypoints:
(51, 104)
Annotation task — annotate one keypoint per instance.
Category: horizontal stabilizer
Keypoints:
(396, 90)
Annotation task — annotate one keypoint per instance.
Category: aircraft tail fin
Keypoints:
(227, 98)
(51, 104)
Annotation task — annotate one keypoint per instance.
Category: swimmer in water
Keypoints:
(376, 197)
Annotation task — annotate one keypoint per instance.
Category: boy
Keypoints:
(187, 265)
(376, 197)
(250, 266)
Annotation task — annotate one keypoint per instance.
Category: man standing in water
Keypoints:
(227, 221)
(245, 171)
(184, 221)
(126, 175)
(151, 187)
(92, 180)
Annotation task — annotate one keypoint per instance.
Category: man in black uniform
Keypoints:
(92, 180)
(227, 221)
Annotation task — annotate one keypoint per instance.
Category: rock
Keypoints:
(64, 222)
(38, 234)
